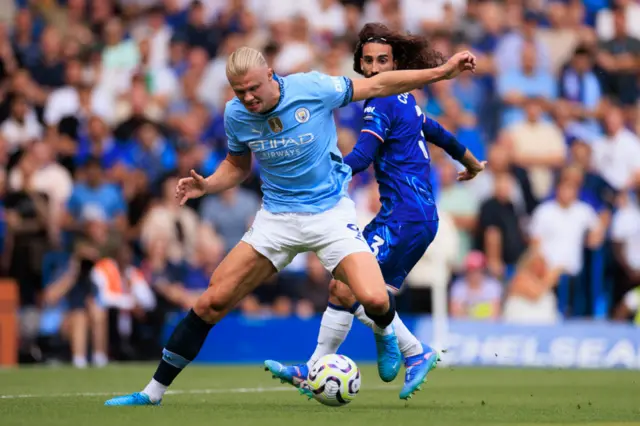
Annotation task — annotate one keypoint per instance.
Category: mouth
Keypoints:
(253, 106)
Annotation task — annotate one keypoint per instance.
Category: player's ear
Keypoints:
(270, 74)
(395, 65)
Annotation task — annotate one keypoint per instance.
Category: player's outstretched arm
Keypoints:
(402, 81)
(231, 172)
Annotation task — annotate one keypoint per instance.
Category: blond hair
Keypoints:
(244, 59)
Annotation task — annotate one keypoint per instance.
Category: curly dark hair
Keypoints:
(409, 51)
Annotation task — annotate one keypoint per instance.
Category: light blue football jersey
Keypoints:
(296, 144)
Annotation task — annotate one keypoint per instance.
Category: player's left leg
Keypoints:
(241, 271)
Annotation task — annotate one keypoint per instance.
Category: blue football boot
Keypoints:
(134, 399)
(418, 366)
(295, 375)
(389, 356)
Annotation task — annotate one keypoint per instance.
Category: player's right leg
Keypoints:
(238, 274)
(361, 272)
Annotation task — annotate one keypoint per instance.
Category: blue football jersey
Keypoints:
(402, 164)
(296, 144)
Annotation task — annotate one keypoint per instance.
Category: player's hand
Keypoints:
(470, 173)
(191, 187)
(459, 63)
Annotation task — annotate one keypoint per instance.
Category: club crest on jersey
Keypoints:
(275, 124)
(302, 115)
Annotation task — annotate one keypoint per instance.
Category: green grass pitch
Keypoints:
(246, 395)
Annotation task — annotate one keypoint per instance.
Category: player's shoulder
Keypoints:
(232, 107)
(235, 112)
(314, 81)
(384, 105)
(308, 77)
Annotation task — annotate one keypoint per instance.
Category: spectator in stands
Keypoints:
(77, 99)
(579, 87)
(558, 229)
(26, 241)
(123, 292)
(625, 234)
(619, 58)
(523, 51)
(605, 20)
(499, 234)
(120, 55)
(198, 32)
(537, 146)
(476, 295)
(230, 214)
(94, 197)
(152, 153)
(595, 191)
(28, 238)
(178, 228)
(158, 33)
(616, 156)
(48, 178)
(516, 85)
(48, 72)
(531, 295)
(21, 127)
(75, 285)
(22, 40)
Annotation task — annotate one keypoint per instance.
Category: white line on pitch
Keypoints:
(170, 392)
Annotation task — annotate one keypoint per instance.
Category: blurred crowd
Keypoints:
(105, 104)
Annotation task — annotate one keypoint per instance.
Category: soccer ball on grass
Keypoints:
(334, 380)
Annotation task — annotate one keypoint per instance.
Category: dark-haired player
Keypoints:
(394, 138)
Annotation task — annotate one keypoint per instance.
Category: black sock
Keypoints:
(384, 320)
(183, 346)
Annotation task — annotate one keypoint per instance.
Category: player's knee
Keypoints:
(376, 303)
(211, 305)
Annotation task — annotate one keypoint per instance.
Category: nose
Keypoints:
(248, 97)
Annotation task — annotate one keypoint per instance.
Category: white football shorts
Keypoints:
(332, 235)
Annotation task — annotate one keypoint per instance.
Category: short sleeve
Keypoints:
(377, 119)
(233, 144)
(335, 92)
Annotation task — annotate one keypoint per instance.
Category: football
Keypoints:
(334, 380)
